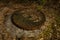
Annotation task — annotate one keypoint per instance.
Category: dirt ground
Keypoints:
(50, 30)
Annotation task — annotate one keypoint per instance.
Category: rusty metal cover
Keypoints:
(28, 19)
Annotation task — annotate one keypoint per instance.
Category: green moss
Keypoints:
(42, 2)
(47, 31)
(39, 7)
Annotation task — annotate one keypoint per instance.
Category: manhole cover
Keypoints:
(28, 19)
